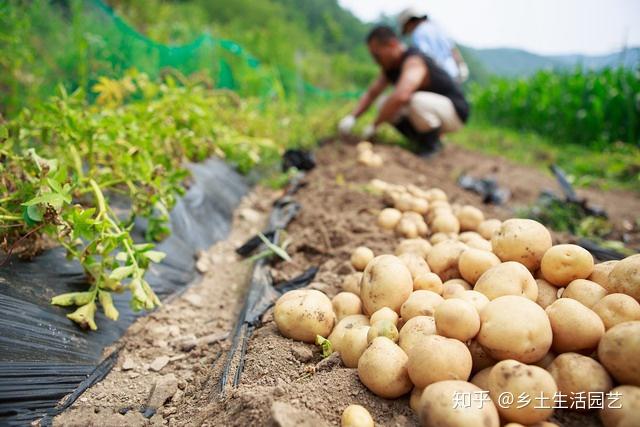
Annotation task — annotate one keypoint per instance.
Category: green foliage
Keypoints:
(586, 107)
(62, 161)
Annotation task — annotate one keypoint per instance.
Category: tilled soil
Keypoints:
(286, 383)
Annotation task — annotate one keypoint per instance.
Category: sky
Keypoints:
(540, 26)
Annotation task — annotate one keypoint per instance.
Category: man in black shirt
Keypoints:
(425, 101)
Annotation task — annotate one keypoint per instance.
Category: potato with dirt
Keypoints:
(428, 282)
(547, 293)
(456, 318)
(420, 303)
(512, 378)
(617, 308)
(437, 406)
(415, 263)
(445, 223)
(575, 327)
(600, 273)
(353, 344)
(584, 291)
(508, 278)
(576, 374)
(386, 282)
(356, 416)
(382, 328)
(469, 218)
(475, 298)
(382, 368)
(414, 331)
(479, 355)
(619, 352)
(389, 218)
(303, 314)
(521, 240)
(489, 227)
(514, 327)
(474, 262)
(443, 259)
(361, 257)
(436, 358)
(419, 246)
(345, 304)
(385, 313)
(348, 322)
(562, 264)
(625, 277)
(622, 407)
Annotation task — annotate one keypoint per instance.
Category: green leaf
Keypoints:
(275, 248)
(73, 298)
(54, 199)
(122, 256)
(325, 345)
(155, 256)
(121, 273)
(34, 213)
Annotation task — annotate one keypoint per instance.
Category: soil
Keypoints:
(287, 383)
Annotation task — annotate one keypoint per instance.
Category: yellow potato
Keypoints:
(470, 217)
(414, 399)
(457, 319)
(441, 237)
(414, 330)
(481, 379)
(379, 185)
(356, 416)
(438, 406)
(420, 303)
(354, 343)
(622, 407)
(419, 205)
(473, 262)
(584, 291)
(385, 313)
(407, 228)
(619, 352)
(575, 374)
(617, 308)
(419, 246)
(521, 240)
(508, 278)
(389, 218)
(415, 263)
(467, 236)
(437, 358)
(625, 277)
(382, 328)
(479, 243)
(452, 289)
(386, 282)
(345, 304)
(480, 357)
(510, 377)
(428, 282)
(575, 327)
(562, 264)
(547, 293)
(488, 227)
(600, 273)
(445, 223)
(514, 327)
(403, 202)
(443, 259)
(382, 368)
(303, 314)
(351, 283)
(348, 322)
(434, 194)
(364, 146)
(478, 300)
(361, 257)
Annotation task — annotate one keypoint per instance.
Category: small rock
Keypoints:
(160, 343)
(148, 412)
(83, 400)
(163, 389)
(124, 410)
(133, 375)
(159, 363)
(328, 363)
(177, 398)
(285, 415)
(182, 384)
(303, 354)
(250, 215)
(203, 264)
(194, 299)
(128, 364)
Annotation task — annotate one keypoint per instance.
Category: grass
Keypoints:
(611, 166)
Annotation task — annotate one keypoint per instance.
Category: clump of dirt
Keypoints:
(287, 383)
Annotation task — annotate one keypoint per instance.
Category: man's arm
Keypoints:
(377, 87)
(414, 71)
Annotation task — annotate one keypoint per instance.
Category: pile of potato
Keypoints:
(367, 156)
(468, 305)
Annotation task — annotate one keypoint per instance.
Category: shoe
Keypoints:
(426, 144)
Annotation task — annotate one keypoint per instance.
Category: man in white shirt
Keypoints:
(427, 36)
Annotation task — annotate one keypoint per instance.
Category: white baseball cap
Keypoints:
(411, 12)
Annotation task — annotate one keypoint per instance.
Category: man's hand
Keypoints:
(346, 124)
(369, 132)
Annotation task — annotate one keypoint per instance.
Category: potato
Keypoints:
(617, 308)
(575, 374)
(386, 282)
(584, 291)
(619, 352)
(420, 303)
(441, 237)
(575, 327)
(515, 378)
(428, 282)
(382, 328)
(479, 243)
(419, 205)
(415, 263)
(521, 240)
(403, 202)
(354, 343)
(546, 360)
(622, 407)
(625, 277)
(361, 257)
(345, 304)
(480, 357)
(475, 298)
(600, 273)
(365, 157)
(351, 283)
(452, 289)
(473, 262)
(445, 223)
(414, 399)
(388, 218)
(562, 264)
(467, 236)
(348, 322)
(385, 313)
(364, 146)
(434, 194)
(407, 228)
(438, 406)
(481, 379)
(382, 368)
(437, 358)
(488, 227)
(414, 330)
(514, 327)
(378, 184)
(304, 313)
(457, 319)
(547, 293)
(470, 218)
(416, 191)
(419, 246)
(443, 259)
(356, 416)
(508, 278)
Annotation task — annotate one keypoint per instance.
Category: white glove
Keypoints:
(463, 71)
(369, 132)
(346, 124)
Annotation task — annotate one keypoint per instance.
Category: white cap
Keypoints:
(407, 14)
